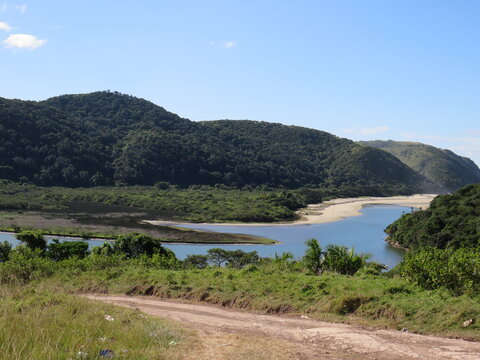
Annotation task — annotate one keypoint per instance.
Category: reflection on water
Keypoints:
(364, 233)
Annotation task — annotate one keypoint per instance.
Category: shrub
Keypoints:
(5, 249)
(64, 250)
(134, 245)
(33, 239)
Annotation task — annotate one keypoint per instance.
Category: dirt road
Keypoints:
(303, 338)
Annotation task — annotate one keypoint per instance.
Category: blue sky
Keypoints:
(364, 69)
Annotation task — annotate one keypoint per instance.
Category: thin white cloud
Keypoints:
(366, 131)
(211, 43)
(23, 41)
(5, 27)
(229, 44)
(4, 7)
(20, 8)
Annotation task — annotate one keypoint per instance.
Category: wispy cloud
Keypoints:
(366, 131)
(23, 41)
(20, 8)
(228, 44)
(4, 7)
(5, 27)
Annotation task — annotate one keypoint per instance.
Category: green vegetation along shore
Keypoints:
(332, 283)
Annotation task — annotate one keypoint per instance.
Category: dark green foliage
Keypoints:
(196, 261)
(33, 239)
(238, 259)
(452, 221)
(67, 249)
(134, 245)
(457, 270)
(5, 249)
(107, 138)
(217, 256)
(443, 167)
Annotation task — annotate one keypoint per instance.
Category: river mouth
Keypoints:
(365, 233)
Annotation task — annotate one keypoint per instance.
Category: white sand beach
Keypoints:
(334, 210)
(337, 209)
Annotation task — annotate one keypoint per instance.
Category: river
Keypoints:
(364, 233)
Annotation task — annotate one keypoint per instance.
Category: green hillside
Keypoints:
(443, 167)
(452, 221)
(107, 138)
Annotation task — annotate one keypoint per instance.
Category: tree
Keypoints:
(134, 245)
(196, 261)
(342, 260)
(217, 256)
(5, 249)
(33, 239)
(313, 257)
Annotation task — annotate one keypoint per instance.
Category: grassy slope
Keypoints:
(372, 300)
(43, 324)
(444, 167)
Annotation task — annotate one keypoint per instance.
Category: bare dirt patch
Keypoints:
(269, 337)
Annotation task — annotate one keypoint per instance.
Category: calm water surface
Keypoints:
(364, 233)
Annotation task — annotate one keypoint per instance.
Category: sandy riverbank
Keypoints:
(334, 210)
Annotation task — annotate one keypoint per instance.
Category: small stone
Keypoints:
(173, 342)
(82, 355)
(404, 330)
(467, 323)
(109, 318)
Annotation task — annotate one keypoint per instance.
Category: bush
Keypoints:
(5, 249)
(432, 268)
(64, 250)
(26, 264)
(134, 245)
(33, 239)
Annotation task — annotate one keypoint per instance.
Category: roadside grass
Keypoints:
(43, 323)
(377, 301)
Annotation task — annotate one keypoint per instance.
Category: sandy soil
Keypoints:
(294, 338)
(334, 210)
(338, 209)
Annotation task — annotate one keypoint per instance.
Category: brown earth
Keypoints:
(226, 334)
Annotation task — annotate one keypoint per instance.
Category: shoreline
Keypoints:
(329, 211)
(51, 237)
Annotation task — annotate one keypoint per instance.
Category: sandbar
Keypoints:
(332, 210)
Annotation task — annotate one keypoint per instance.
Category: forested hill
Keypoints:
(107, 138)
(443, 167)
(452, 221)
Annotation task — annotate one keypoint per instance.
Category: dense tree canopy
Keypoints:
(107, 138)
(452, 221)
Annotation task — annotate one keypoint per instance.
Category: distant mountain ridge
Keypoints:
(106, 138)
(447, 169)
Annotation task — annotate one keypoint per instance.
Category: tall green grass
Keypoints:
(42, 323)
